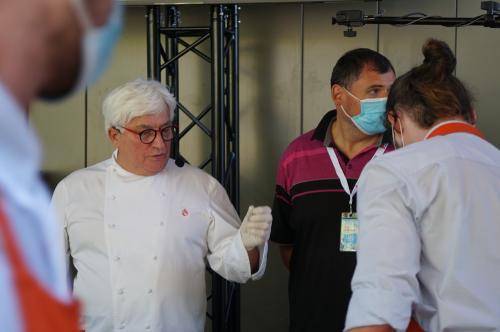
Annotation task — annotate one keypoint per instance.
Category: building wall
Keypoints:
(287, 52)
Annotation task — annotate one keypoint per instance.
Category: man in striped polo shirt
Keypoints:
(314, 210)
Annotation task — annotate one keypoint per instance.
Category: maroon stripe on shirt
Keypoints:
(307, 160)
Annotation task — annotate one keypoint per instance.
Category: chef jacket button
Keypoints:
(150, 291)
(113, 197)
(122, 326)
(155, 258)
(117, 258)
(163, 194)
(148, 327)
(111, 225)
(162, 223)
(121, 291)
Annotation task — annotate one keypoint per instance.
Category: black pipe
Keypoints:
(218, 146)
(153, 42)
(185, 31)
(486, 20)
(483, 20)
(235, 103)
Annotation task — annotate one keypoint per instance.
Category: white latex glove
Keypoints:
(256, 226)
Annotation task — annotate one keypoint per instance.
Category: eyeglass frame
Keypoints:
(173, 128)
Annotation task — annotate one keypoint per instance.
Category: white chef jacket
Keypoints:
(139, 244)
(430, 237)
(26, 203)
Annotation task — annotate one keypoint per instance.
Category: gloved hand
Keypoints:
(256, 226)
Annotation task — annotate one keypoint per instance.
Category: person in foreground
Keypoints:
(430, 218)
(140, 227)
(48, 50)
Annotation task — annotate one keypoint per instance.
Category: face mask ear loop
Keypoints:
(350, 94)
(343, 110)
(402, 133)
(342, 107)
(393, 139)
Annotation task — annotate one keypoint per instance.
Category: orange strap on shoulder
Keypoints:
(456, 127)
(414, 327)
(40, 310)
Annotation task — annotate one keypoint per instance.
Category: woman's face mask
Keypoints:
(371, 118)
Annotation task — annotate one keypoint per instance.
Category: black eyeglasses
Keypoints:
(147, 136)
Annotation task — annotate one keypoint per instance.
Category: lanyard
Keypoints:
(340, 173)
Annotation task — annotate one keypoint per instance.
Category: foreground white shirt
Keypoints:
(139, 245)
(430, 237)
(25, 201)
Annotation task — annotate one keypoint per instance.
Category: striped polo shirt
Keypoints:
(308, 204)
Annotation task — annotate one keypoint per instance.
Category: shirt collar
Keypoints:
(126, 175)
(321, 133)
(118, 169)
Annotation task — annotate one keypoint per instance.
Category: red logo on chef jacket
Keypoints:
(185, 212)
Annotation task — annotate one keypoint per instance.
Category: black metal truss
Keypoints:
(164, 36)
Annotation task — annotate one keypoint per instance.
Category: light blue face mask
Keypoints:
(97, 43)
(371, 119)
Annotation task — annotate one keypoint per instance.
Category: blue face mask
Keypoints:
(97, 43)
(371, 119)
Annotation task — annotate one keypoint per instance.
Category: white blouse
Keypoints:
(430, 237)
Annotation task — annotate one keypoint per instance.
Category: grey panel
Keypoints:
(403, 45)
(324, 43)
(270, 119)
(478, 52)
(62, 132)
(128, 63)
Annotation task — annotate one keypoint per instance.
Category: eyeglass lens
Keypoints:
(147, 136)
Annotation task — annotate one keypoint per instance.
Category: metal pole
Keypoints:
(233, 289)
(487, 21)
(235, 104)
(153, 42)
(218, 118)
(172, 69)
(186, 31)
(218, 151)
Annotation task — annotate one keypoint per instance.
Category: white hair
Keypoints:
(136, 98)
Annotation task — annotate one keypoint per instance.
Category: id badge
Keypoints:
(349, 232)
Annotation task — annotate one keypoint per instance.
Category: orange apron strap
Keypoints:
(414, 327)
(10, 247)
(41, 312)
(456, 127)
